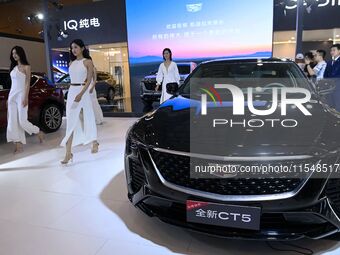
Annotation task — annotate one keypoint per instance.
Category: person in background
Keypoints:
(98, 113)
(17, 103)
(309, 58)
(299, 60)
(333, 72)
(167, 73)
(319, 70)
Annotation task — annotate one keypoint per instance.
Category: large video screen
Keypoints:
(196, 31)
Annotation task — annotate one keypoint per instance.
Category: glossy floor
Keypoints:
(82, 208)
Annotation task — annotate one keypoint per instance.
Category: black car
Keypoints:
(148, 84)
(160, 151)
(106, 86)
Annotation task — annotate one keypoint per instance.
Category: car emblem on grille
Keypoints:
(194, 7)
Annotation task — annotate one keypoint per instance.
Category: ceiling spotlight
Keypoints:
(31, 18)
(40, 16)
(337, 36)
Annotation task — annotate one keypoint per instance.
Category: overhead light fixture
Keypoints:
(337, 36)
(330, 39)
(40, 16)
(293, 38)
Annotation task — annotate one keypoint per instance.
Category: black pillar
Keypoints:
(47, 42)
(299, 26)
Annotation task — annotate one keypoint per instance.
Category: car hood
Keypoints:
(175, 126)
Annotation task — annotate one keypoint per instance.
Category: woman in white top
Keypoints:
(81, 126)
(98, 113)
(17, 123)
(167, 73)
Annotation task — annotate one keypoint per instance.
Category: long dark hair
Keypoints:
(167, 49)
(22, 55)
(81, 44)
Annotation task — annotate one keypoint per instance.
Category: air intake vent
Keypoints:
(333, 193)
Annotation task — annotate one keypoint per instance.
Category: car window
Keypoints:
(33, 80)
(184, 69)
(65, 79)
(5, 80)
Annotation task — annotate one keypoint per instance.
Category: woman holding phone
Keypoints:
(81, 126)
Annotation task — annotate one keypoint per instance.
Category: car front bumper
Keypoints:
(309, 213)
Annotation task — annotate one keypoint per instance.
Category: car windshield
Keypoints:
(259, 75)
(65, 79)
(184, 69)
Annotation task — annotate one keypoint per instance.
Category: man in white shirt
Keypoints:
(319, 70)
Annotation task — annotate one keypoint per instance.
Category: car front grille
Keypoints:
(175, 169)
(150, 85)
(333, 193)
(137, 174)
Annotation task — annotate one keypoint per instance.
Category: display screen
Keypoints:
(195, 31)
(60, 61)
(199, 29)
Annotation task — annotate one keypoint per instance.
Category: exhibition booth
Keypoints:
(126, 43)
(238, 139)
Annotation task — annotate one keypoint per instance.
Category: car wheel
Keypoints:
(51, 118)
(110, 96)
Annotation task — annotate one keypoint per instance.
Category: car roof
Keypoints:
(185, 63)
(247, 60)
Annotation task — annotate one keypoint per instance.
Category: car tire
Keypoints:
(51, 118)
(110, 95)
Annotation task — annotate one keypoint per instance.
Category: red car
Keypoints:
(46, 102)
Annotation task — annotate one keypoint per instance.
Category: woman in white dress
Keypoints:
(81, 126)
(167, 73)
(17, 117)
(98, 113)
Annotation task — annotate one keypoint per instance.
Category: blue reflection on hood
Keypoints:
(181, 103)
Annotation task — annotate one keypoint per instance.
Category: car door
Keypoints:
(5, 86)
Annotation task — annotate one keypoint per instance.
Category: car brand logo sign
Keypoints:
(194, 7)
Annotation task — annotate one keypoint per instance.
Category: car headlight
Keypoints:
(149, 115)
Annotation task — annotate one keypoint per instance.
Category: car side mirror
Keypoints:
(172, 88)
(325, 86)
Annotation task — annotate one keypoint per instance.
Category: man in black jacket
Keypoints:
(333, 72)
